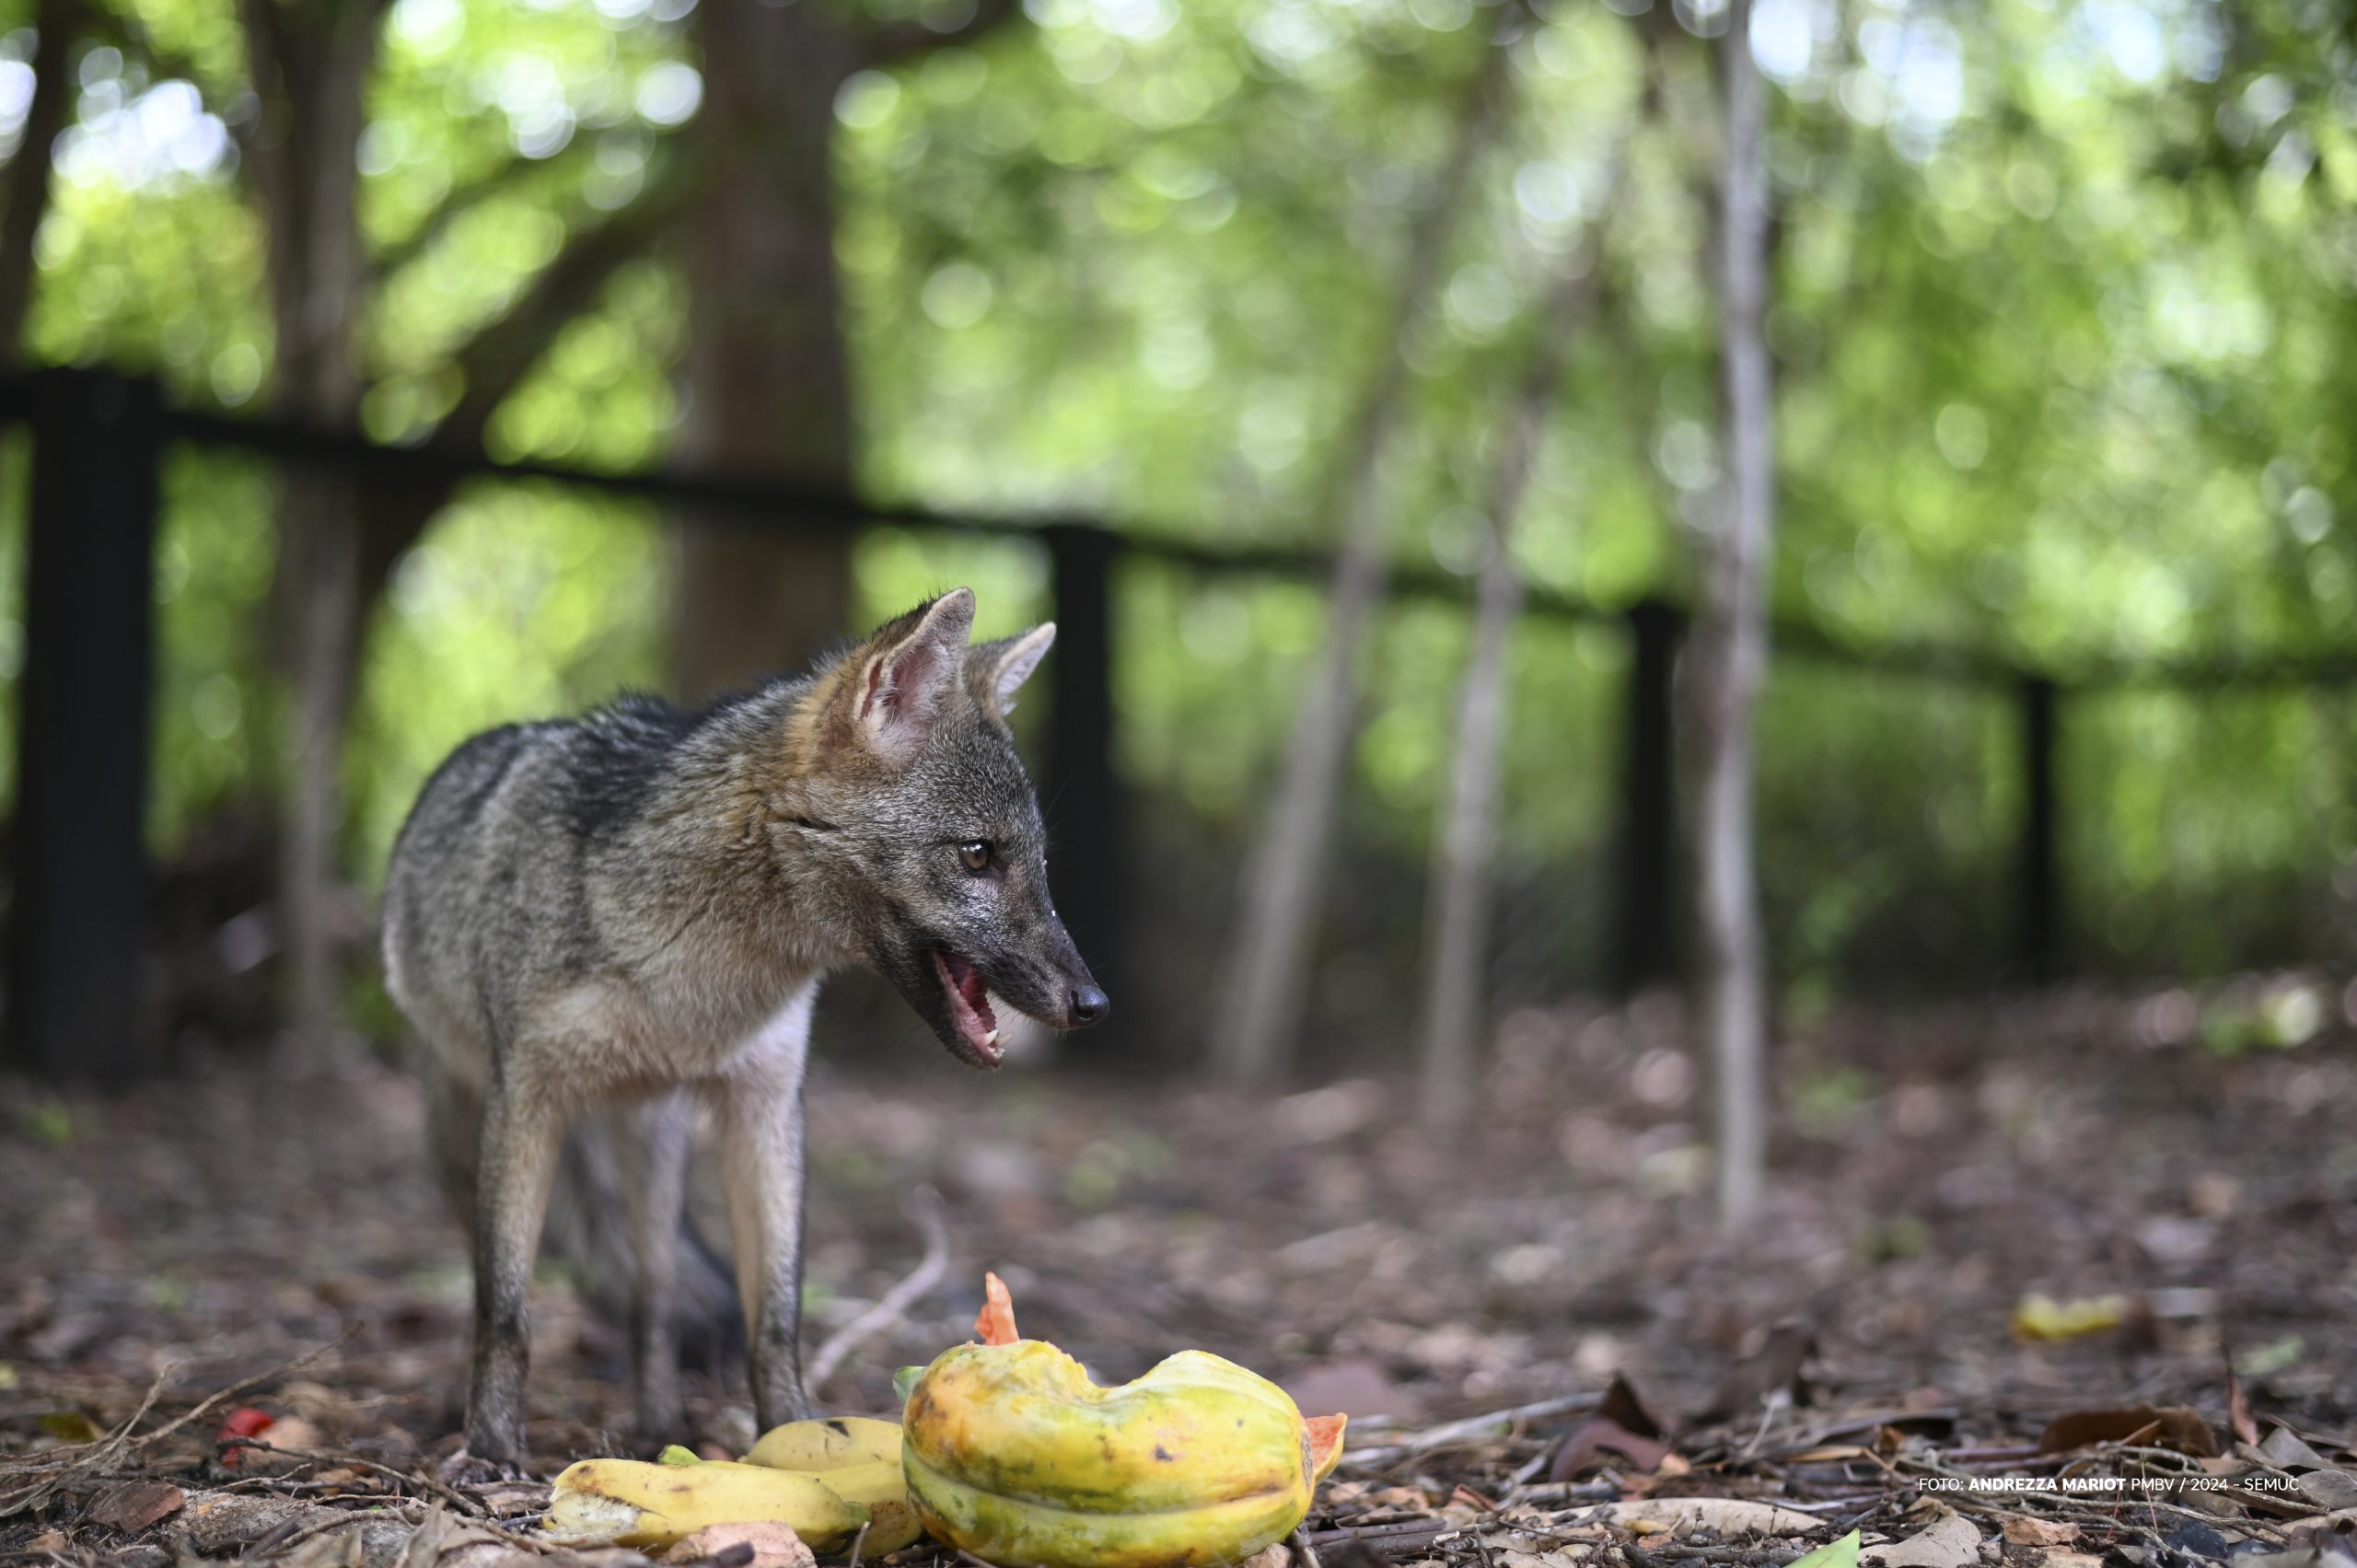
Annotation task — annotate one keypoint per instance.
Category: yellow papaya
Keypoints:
(1013, 1454)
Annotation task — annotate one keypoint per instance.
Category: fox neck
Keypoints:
(731, 883)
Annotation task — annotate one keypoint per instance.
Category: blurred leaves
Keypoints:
(2065, 368)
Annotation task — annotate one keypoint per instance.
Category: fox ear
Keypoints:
(901, 684)
(1006, 664)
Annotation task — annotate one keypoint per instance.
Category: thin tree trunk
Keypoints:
(765, 377)
(312, 65)
(1465, 840)
(1730, 652)
(1265, 969)
(27, 182)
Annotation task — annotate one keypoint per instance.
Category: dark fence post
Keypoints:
(1645, 879)
(2040, 931)
(76, 948)
(1087, 822)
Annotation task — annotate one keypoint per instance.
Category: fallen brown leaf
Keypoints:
(2174, 1427)
(1585, 1447)
(773, 1545)
(1626, 1409)
(2331, 1489)
(2057, 1558)
(134, 1507)
(1948, 1541)
(2286, 1450)
(2026, 1531)
(2238, 1417)
(1775, 1368)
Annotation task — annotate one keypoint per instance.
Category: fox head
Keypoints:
(919, 829)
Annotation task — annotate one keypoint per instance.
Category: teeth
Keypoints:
(989, 1040)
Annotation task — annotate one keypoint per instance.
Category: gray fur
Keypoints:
(634, 910)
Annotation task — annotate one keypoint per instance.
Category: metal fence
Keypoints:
(77, 923)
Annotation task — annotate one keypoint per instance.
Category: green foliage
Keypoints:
(2064, 356)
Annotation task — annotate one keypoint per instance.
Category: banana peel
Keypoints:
(881, 1488)
(837, 1443)
(853, 1461)
(633, 1503)
(1013, 1454)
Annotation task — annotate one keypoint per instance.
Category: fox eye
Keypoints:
(976, 854)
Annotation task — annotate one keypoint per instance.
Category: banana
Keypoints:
(823, 1445)
(645, 1505)
(880, 1487)
(678, 1453)
(858, 1458)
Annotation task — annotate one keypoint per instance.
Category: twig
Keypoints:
(97, 1456)
(447, 1494)
(233, 1389)
(1471, 1428)
(857, 1541)
(926, 1209)
(1408, 1532)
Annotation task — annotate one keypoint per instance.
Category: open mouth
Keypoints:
(970, 1008)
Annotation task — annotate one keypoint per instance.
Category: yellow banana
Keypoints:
(880, 1487)
(635, 1504)
(822, 1446)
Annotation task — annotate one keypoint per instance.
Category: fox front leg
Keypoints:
(759, 1109)
(658, 1132)
(518, 1158)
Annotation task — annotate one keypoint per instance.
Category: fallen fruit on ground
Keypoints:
(1013, 1454)
(881, 1488)
(834, 1444)
(649, 1505)
(858, 1459)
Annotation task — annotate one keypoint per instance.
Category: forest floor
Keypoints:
(2150, 1162)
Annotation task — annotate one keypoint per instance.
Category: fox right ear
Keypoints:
(901, 684)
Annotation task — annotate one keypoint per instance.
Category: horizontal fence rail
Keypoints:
(76, 922)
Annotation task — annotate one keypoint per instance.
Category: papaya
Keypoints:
(1013, 1454)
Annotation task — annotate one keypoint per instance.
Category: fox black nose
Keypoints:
(1088, 1005)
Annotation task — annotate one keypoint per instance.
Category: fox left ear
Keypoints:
(902, 684)
(1006, 664)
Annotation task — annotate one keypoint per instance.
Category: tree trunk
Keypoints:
(28, 179)
(1266, 967)
(311, 66)
(1465, 837)
(1730, 652)
(765, 380)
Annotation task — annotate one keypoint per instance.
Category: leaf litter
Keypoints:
(233, 1320)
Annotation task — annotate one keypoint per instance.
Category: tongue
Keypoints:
(971, 990)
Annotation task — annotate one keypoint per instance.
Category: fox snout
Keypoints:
(1073, 999)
